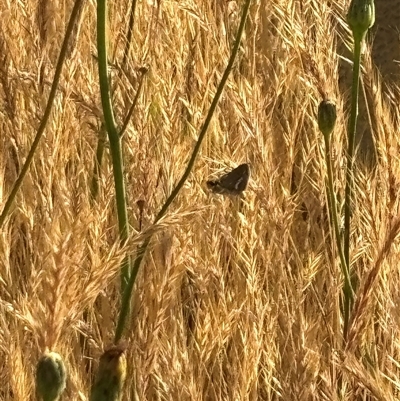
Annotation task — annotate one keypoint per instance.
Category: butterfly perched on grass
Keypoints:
(232, 183)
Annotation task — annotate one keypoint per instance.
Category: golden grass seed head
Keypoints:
(326, 117)
(51, 376)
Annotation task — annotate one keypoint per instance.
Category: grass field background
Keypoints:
(234, 301)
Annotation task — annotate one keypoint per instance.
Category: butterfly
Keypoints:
(232, 183)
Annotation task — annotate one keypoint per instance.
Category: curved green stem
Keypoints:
(142, 249)
(351, 146)
(129, 34)
(113, 135)
(350, 168)
(347, 289)
(97, 162)
(63, 52)
(132, 108)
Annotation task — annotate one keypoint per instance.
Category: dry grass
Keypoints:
(230, 304)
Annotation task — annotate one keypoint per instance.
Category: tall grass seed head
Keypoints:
(110, 376)
(326, 117)
(361, 17)
(51, 376)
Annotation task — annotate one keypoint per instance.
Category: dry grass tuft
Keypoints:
(233, 301)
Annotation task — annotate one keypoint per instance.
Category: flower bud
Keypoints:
(110, 376)
(51, 376)
(326, 117)
(360, 17)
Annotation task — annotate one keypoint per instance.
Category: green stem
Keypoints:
(129, 34)
(350, 167)
(142, 249)
(63, 52)
(97, 162)
(347, 290)
(132, 108)
(113, 135)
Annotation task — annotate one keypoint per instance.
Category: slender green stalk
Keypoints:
(360, 17)
(135, 100)
(350, 151)
(97, 162)
(348, 293)
(60, 63)
(129, 34)
(326, 124)
(349, 191)
(335, 218)
(113, 135)
(142, 249)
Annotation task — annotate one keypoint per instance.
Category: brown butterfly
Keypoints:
(232, 183)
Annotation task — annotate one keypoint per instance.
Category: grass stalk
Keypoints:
(326, 124)
(60, 63)
(335, 218)
(129, 35)
(97, 162)
(113, 135)
(142, 249)
(360, 17)
(348, 292)
(143, 71)
(351, 149)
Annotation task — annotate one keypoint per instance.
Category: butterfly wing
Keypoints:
(232, 183)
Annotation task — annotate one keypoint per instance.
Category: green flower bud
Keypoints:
(326, 117)
(51, 376)
(360, 17)
(110, 376)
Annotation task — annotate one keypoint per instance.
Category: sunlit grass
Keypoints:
(233, 301)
